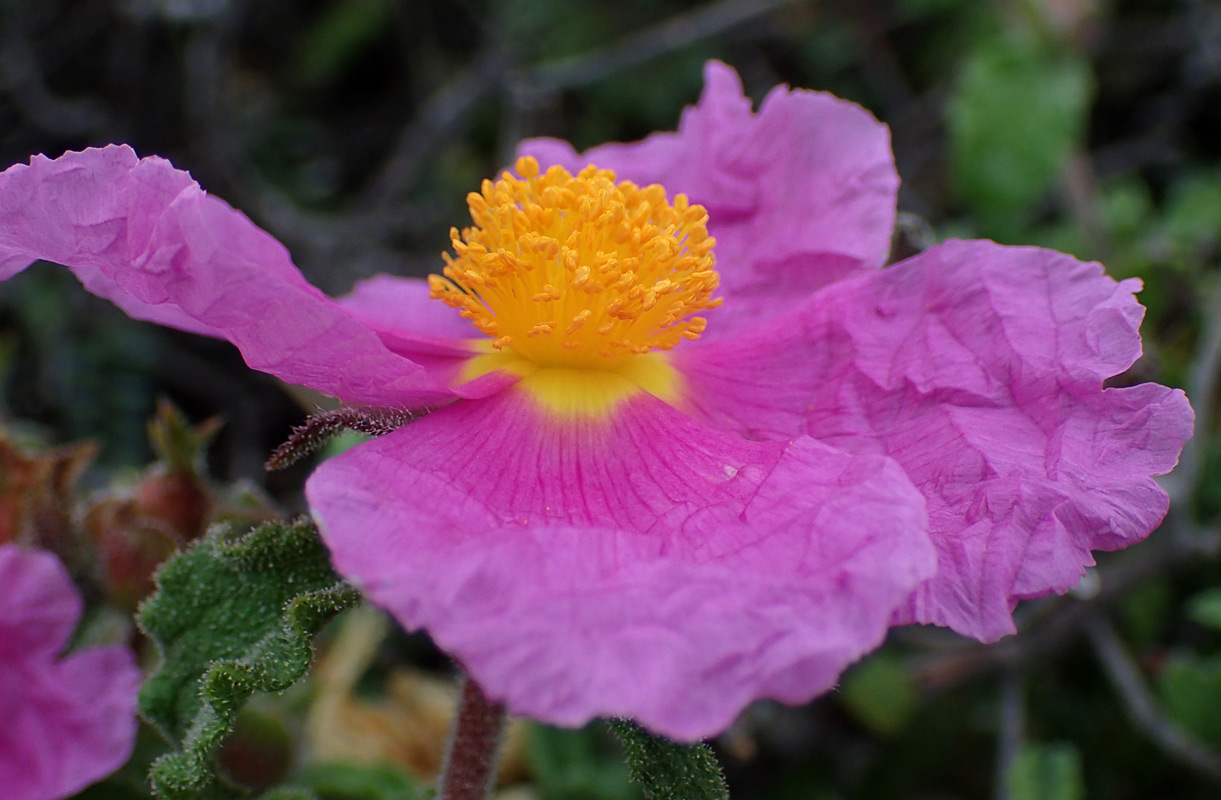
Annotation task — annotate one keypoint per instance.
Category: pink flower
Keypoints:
(67, 721)
(620, 508)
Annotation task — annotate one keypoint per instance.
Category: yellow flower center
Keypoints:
(579, 272)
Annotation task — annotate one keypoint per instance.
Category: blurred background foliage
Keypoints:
(352, 129)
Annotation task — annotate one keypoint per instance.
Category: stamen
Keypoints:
(579, 271)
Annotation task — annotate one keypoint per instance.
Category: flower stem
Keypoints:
(470, 762)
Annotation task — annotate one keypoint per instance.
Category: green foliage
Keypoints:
(669, 771)
(1126, 208)
(880, 694)
(1193, 212)
(1016, 114)
(1046, 772)
(547, 30)
(230, 617)
(1145, 610)
(1205, 608)
(578, 765)
(94, 373)
(339, 36)
(1190, 686)
(634, 103)
(919, 8)
(359, 782)
(1139, 237)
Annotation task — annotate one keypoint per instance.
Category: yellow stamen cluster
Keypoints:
(579, 271)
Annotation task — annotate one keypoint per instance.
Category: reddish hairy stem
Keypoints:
(470, 762)
(319, 428)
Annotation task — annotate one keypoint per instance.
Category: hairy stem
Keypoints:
(470, 762)
(320, 428)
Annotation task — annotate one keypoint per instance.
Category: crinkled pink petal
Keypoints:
(799, 195)
(144, 235)
(67, 722)
(980, 369)
(641, 566)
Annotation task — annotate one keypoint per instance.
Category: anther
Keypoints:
(576, 322)
(642, 266)
(527, 167)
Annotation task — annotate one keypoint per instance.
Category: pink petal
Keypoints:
(414, 326)
(640, 566)
(39, 608)
(799, 195)
(402, 305)
(144, 235)
(69, 722)
(980, 369)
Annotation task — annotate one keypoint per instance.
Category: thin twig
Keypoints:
(434, 120)
(953, 660)
(219, 138)
(1080, 186)
(1202, 389)
(1141, 706)
(881, 65)
(21, 76)
(673, 34)
(1012, 730)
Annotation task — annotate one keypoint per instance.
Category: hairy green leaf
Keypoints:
(230, 617)
(669, 771)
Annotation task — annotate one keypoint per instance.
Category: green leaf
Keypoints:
(1191, 688)
(343, 442)
(359, 782)
(1049, 771)
(1018, 111)
(1145, 610)
(1193, 210)
(880, 694)
(1205, 608)
(1126, 208)
(583, 764)
(669, 771)
(230, 618)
